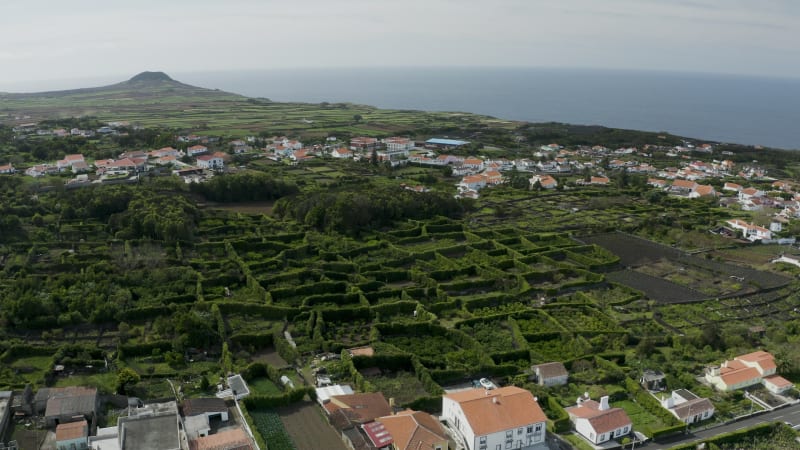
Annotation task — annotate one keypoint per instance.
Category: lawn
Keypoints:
(264, 386)
(643, 421)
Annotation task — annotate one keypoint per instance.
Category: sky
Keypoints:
(54, 42)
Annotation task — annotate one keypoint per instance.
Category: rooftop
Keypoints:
(489, 411)
(151, 433)
(71, 430)
(196, 406)
(233, 439)
(413, 430)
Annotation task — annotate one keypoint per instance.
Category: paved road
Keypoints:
(789, 414)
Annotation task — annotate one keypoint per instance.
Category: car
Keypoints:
(487, 383)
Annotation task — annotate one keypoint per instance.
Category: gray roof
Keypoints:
(71, 401)
(693, 408)
(551, 370)
(685, 394)
(197, 406)
(151, 433)
(238, 385)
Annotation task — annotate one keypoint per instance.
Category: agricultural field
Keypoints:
(183, 284)
(307, 427)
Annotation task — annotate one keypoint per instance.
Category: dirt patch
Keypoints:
(271, 357)
(308, 429)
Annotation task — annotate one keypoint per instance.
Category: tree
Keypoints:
(357, 118)
(125, 377)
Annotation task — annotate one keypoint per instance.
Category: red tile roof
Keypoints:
(498, 409)
(414, 430)
(71, 430)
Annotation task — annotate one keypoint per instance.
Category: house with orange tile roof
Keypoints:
(728, 186)
(415, 430)
(72, 435)
(231, 439)
(703, 190)
(747, 370)
(657, 182)
(602, 181)
(508, 417)
(750, 193)
(472, 183)
(473, 163)
(750, 231)
(7, 169)
(598, 422)
(545, 181)
(682, 187)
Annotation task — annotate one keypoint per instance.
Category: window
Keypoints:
(530, 429)
(519, 443)
(509, 442)
(519, 431)
(483, 439)
(509, 434)
(538, 428)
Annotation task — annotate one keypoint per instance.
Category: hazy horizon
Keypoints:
(96, 39)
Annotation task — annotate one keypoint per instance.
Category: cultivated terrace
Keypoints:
(157, 288)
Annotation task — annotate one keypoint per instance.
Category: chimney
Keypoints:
(495, 400)
(604, 403)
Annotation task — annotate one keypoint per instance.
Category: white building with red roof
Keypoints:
(747, 370)
(7, 169)
(508, 417)
(750, 231)
(599, 422)
(210, 162)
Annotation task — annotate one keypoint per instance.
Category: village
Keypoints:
(433, 270)
(593, 166)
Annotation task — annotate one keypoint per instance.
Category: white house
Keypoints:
(341, 153)
(472, 183)
(746, 370)
(7, 169)
(687, 407)
(551, 374)
(599, 422)
(196, 150)
(398, 145)
(545, 181)
(504, 418)
(210, 162)
(750, 231)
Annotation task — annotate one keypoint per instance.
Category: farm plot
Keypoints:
(632, 250)
(658, 289)
(538, 322)
(404, 387)
(584, 319)
(494, 336)
(308, 428)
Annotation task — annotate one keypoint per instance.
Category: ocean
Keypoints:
(725, 108)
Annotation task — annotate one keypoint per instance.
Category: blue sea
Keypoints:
(726, 108)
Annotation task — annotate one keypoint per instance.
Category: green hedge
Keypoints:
(561, 423)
